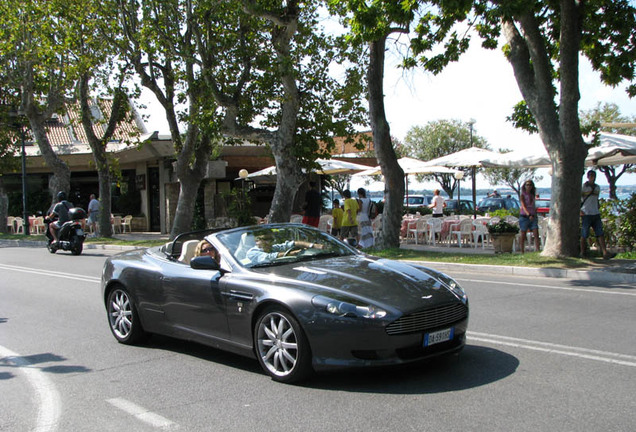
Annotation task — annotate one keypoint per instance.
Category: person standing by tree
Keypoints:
(312, 206)
(528, 215)
(337, 215)
(364, 222)
(93, 214)
(591, 215)
(349, 228)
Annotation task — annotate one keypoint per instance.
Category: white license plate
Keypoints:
(439, 336)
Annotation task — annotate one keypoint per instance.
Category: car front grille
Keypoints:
(428, 319)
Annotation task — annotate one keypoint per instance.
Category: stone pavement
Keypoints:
(612, 271)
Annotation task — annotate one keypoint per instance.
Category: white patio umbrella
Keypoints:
(327, 166)
(613, 149)
(471, 157)
(410, 166)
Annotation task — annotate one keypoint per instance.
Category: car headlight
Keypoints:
(340, 308)
(452, 285)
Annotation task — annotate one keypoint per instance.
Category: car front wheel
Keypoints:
(281, 346)
(123, 318)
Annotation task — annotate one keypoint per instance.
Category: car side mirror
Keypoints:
(204, 263)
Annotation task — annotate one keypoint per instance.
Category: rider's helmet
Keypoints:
(61, 196)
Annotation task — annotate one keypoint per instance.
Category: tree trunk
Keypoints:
(4, 207)
(391, 170)
(558, 126)
(188, 190)
(197, 148)
(61, 178)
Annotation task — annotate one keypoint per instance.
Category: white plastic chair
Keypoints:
(420, 228)
(116, 224)
(11, 224)
(127, 222)
(465, 231)
(434, 227)
(19, 225)
(324, 224)
(543, 230)
(480, 233)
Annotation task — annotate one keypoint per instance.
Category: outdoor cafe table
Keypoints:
(450, 225)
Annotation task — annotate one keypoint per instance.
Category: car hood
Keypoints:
(377, 281)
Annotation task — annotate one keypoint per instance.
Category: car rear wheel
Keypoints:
(281, 346)
(123, 318)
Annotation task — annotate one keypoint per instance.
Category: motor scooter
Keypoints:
(71, 236)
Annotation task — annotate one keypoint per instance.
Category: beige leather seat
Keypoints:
(187, 251)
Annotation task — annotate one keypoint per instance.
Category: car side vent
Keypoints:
(428, 319)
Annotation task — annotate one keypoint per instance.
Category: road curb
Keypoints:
(600, 275)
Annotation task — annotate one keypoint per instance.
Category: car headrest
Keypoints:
(187, 251)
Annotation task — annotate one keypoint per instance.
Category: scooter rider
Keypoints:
(59, 212)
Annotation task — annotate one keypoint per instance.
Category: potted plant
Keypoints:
(503, 235)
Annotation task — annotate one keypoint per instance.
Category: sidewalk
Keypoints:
(612, 271)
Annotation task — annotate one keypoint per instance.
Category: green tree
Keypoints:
(605, 117)
(439, 138)
(36, 66)
(158, 40)
(9, 145)
(544, 41)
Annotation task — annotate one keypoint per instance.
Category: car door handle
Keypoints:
(238, 295)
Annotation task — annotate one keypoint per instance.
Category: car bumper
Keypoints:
(361, 346)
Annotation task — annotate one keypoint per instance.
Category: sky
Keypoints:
(480, 86)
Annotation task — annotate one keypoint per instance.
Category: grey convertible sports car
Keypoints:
(294, 297)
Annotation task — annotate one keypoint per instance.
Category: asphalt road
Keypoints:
(542, 355)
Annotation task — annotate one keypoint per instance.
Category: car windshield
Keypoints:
(270, 245)
(491, 202)
(415, 200)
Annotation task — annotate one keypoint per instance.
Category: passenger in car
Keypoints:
(204, 248)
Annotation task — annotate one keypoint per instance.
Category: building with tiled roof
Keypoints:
(146, 163)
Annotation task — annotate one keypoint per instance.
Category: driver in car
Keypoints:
(266, 251)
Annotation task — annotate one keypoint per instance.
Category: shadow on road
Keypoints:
(475, 366)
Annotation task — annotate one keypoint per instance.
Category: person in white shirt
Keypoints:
(438, 203)
(591, 215)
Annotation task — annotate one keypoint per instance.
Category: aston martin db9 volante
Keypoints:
(293, 297)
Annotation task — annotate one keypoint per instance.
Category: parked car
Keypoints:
(451, 206)
(543, 206)
(413, 201)
(488, 205)
(315, 303)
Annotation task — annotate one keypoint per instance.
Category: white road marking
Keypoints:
(142, 414)
(50, 273)
(48, 398)
(587, 290)
(589, 354)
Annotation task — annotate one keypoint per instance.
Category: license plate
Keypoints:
(439, 336)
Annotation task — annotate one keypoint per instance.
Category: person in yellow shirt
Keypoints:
(337, 215)
(349, 228)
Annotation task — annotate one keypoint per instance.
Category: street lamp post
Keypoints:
(24, 185)
(243, 175)
(459, 175)
(471, 123)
